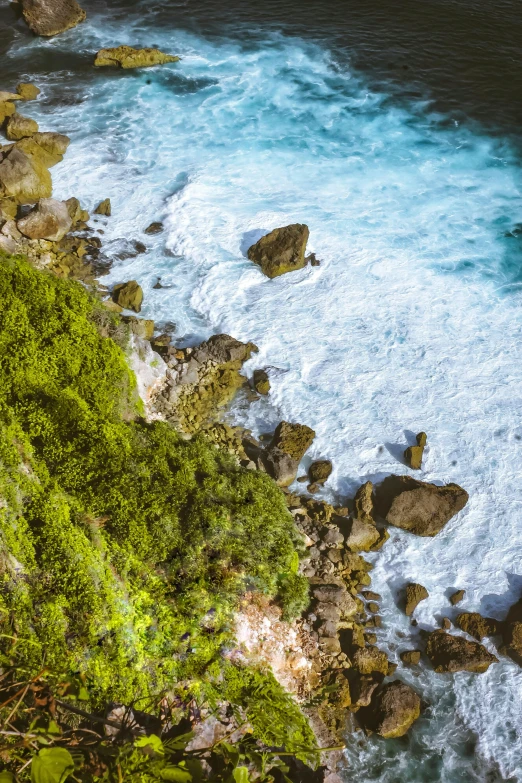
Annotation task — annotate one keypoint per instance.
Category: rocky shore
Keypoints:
(331, 661)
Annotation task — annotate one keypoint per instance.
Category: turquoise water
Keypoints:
(412, 322)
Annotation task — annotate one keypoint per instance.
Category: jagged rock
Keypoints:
(9, 96)
(24, 174)
(336, 595)
(319, 471)
(370, 659)
(51, 17)
(411, 657)
(476, 625)
(141, 327)
(128, 295)
(27, 91)
(281, 466)
(293, 439)
(417, 506)
(362, 536)
(414, 594)
(51, 147)
(282, 250)
(362, 688)
(457, 597)
(449, 653)
(413, 454)
(8, 209)
(445, 623)
(225, 350)
(363, 503)
(261, 382)
(128, 57)
(332, 536)
(7, 109)
(392, 711)
(512, 632)
(76, 213)
(154, 228)
(49, 220)
(104, 208)
(19, 127)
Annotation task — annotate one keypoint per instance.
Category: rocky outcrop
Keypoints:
(282, 250)
(392, 711)
(50, 220)
(261, 382)
(104, 208)
(413, 454)
(414, 594)
(129, 295)
(27, 91)
(51, 17)
(24, 167)
(512, 632)
(320, 471)
(417, 506)
(449, 653)
(128, 57)
(19, 127)
(457, 597)
(475, 625)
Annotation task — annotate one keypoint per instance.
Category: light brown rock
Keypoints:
(411, 657)
(27, 91)
(282, 250)
(104, 208)
(457, 597)
(476, 625)
(361, 536)
(128, 57)
(370, 659)
(363, 503)
(414, 594)
(7, 109)
(449, 653)
(128, 295)
(18, 127)
(51, 17)
(49, 220)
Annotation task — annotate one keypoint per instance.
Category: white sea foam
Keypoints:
(410, 323)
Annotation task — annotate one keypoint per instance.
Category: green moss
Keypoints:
(123, 548)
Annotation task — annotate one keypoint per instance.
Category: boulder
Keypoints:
(457, 597)
(223, 349)
(413, 454)
(370, 659)
(363, 503)
(51, 146)
(27, 91)
(281, 466)
(362, 536)
(76, 213)
(293, 439)
(18, 127)
(392, 711)
(512, 632)
(7, 109)
(8, 209)
(154, 228)
(319, 471)
(261, 382)
(414, 594)
(24, 177)
(49, 220)
(128, 57)
(362, 687)
(51, 17)
(128, 295)
(104, 208)
(476, 625)
(449, 653)
(411, 657)
(282, 250)
(9, 96)
(417, 506)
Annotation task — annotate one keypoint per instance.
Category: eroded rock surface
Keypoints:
(50, 220)
(449, 653)
(282, 250)
(414, 594)
(394, 708)
(51, 17)
(128, 57)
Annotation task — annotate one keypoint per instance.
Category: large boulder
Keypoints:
(24, 174)
(477, 626)
(392, 711)
(18, 127)
(414, 594)
(417, 506)
(449, 653)
(128, 57)
(293, 439)
(50, 147)
(51, 17)
(128, 295)
(50, 220)
(28, 91)
(282, 250)
(362, 536)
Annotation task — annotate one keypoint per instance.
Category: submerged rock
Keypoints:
(104, 208)
(417, 506)
(415, 593)
(476, 625)
(128, 57)
(413, 454)
(449, 653)
(51, 17)
(154, 228)
(28, 91)
(50, 220)
(128, 295)
(282, 250)
(18, 127)
(261, 382)
(392, 711)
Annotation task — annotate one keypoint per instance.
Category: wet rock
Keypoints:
(154, 228)
(363, 503)
(512, 633)
(104, 208)
(282, 250)
(261, 382)
(457, 597)
(370, 659)
(411, 657)
(128, 57)
(371, 596)
(476, 625)
(225, 350)
(49, 220)
(76, 213)
(449, 653)
(372, 607)
(9, 96)
(27, 91)
(362, 536)
(281, 466)
(18, 127)
(293, 439)
(7, 109)
(51, 17)
(392, 711)
(417, 506)
(319, 471)
(414, 594)
(445, 623)
(413, 454)
(24, 175)
(128, 295)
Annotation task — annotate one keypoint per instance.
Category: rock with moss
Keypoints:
(52, 17)
(421, 508)
(261, 382)
(476, 625)
(50, 220)
(394, 708)
(282, 250)
(449, 653)
(293, 439)
(76, 213)
(368, 660)
(128, 57)
(28, 91)
(413, 454)
(414, 594)
(104, 208)
(320, 471)
(128, 295)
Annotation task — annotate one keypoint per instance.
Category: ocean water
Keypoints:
(413, 320)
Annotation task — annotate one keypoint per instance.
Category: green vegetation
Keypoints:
(123, 547)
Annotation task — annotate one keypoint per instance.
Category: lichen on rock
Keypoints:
(51, 17)
(128, 57)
